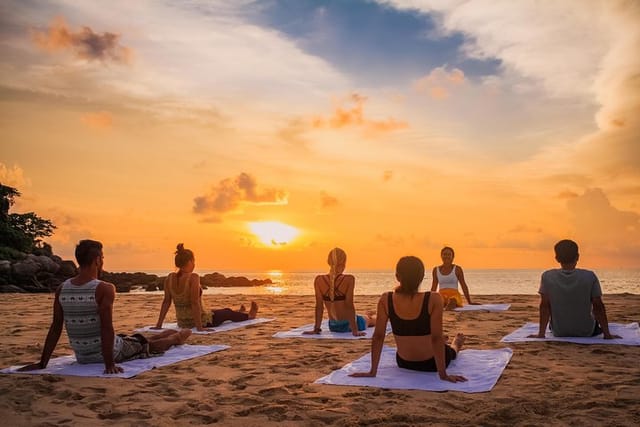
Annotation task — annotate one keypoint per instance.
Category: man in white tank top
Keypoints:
(84, 305)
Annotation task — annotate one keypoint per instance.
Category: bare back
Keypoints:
(342, 304)
(407, 308)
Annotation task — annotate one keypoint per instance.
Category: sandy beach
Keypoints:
(263, 381)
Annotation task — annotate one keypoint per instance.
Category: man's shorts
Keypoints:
(130, 347)
(343, 325)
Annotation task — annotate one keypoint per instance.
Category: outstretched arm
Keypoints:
(166, 304)
(53, 336)
(105, 296)
(600, 314)
(545, 314)
(377, 341)
(463, 285)
(437, 339)
(319, 308)
(353, 323)
(196, 304)
(434, 282)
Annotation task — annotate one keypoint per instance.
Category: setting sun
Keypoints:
(273, 233)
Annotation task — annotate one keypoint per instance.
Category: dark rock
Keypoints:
(219, 280)
(25, 268)
(5, 267)
(11, 289)
(67, 269)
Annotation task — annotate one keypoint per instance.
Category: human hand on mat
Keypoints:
(315, 331)
(453, 378)
(359, 333)
(536, 336)
(113, 369)
(156, 327)
(31, 367)
(611, 337)
(362, 374)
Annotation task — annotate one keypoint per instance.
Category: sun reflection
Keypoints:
(273, 233)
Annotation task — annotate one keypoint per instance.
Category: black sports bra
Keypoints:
(419, 326)
(337, 294)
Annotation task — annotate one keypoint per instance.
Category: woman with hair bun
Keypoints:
(416, 321)
(183, 288)
(334, 291)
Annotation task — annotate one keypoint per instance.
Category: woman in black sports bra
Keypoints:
(416, 320)
(334, 291)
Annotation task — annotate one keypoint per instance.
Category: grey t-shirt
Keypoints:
(570, 293)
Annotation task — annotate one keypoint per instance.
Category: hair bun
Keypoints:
(180, 248)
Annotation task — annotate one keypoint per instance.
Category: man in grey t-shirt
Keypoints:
(571, 298)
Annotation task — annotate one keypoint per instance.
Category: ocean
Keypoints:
(480, 282)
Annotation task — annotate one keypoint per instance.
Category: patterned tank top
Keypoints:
(82, 320)
(182, 301)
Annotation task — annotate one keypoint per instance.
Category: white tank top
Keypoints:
(448, 281)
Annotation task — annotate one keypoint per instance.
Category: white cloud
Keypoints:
(205, 54)
(558, 44)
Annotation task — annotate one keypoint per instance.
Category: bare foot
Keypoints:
(242, 308)
(183, 334)
(458, 341)
(254, 310)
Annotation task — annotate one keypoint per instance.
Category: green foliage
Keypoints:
(21, 232)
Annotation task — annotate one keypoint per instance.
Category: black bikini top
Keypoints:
(419, 326)
(337, 294)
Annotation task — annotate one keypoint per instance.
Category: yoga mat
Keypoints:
(484, 307)
(481, 368)
(326, 333)
(67, 365)
(226, 326)
(630, 334)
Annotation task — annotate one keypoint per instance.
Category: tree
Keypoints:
(22, 232)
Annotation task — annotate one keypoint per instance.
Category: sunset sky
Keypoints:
(263, 133)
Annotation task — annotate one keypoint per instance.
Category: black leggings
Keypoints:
(427, 365)
(224, 314)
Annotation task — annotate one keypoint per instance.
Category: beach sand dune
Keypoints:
(262, 381)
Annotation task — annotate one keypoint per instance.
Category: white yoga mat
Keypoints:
(67, 365)
(630, 334)
(326, 333)
(481, 368)
(226, 326)
(484, 307)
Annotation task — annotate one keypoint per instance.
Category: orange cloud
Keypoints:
(387, 176)
(85, 44)
(567, 194)
(229, 193)
(328, 201)
(98, 120)
(353, 116)
(439, 82)
(604, 228)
